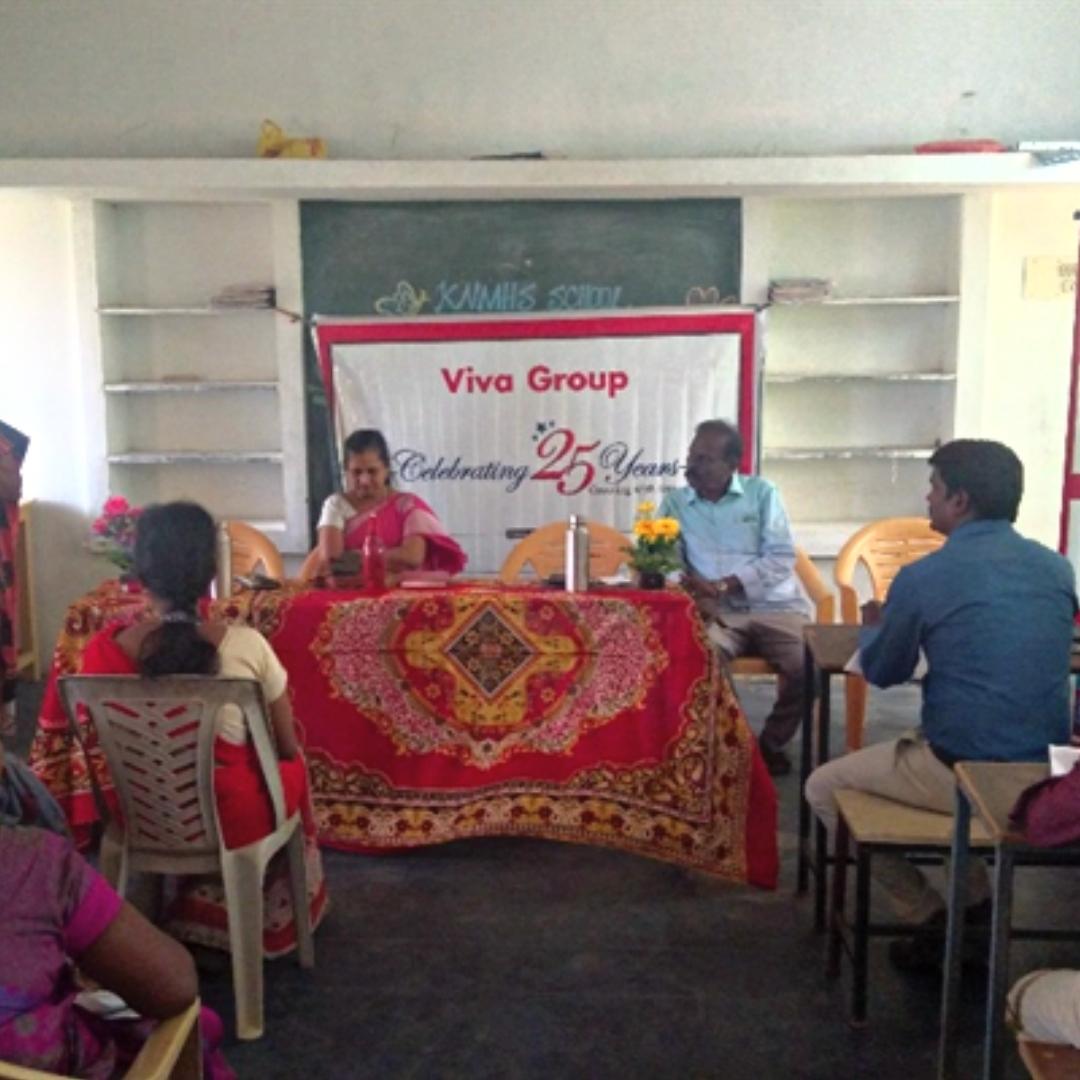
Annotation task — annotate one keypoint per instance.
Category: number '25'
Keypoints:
(565, 461)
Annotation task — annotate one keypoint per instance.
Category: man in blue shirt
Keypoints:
(993, 614)
(740, 562)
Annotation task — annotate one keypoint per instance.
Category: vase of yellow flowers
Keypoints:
(655, 550)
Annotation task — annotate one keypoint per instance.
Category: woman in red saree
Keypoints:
(13, 445)
(175, 561)
(412, 537)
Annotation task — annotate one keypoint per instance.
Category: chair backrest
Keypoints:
(544, 550)
(158, 737)
(884, 547)
(252, 548)
(309, 569)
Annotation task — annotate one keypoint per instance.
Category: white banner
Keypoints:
(506, 435)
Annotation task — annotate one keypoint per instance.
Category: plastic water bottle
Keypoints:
(222, 587)
(577, 555)
(374, 568)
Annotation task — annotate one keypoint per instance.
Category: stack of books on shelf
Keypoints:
(244, 296)
(1057, 152)
(800, 290)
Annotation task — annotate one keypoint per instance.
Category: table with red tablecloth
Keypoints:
(437, 714)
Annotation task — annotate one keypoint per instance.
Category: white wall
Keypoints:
(590, 78)
(1028, 348)
(42, 391)
(427, 79)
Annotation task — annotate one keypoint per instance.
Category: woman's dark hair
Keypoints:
(175, 560)
(988, 471)
(364, 439)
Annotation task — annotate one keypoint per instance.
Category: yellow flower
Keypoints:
(645, 507)
(666, 528)
(645, 529)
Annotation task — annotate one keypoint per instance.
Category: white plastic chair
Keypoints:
(158, 739)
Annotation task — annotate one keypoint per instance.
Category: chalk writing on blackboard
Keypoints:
(708, 294)
(453, 297)
(583, 297)
(404, 300)
(478, 297)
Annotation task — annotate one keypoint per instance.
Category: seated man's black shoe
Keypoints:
(776, 761)
(925, 950)
(976, 948)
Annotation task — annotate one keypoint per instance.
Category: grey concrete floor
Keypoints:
(520, 958)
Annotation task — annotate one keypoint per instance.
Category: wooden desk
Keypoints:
(828, 649)
(992, 790)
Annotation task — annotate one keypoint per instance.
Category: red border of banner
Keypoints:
(743, 323)
(1070, 490)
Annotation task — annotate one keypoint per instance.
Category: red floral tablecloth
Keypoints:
(437, 714)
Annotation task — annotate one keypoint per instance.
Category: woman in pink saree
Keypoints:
(411, 535)
(55, 911)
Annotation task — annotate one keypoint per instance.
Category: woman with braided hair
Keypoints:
(175, 562)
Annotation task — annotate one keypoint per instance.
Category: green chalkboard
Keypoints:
(489, 257)
(469, 258)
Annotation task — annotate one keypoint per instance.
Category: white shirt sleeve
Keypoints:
(335, 512)
(245, 654)
(1048, 1004)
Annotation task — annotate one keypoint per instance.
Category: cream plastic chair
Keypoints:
(821, 596)
(252, 549)
(158, 736)
(883, 547)
(171, 1053)
(544, 550)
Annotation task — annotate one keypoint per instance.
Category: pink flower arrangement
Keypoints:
(112, 532)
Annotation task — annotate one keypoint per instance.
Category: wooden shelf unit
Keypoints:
(858, 388)
(197, 400)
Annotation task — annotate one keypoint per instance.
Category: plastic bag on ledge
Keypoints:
(274, 143)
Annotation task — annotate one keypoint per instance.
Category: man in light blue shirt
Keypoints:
(993, 613)
(740, 562)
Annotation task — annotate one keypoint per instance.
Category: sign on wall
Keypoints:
(503, 425)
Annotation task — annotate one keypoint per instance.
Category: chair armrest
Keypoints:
(820, 594)
(849, 605)
(172, 1050)
(10, 1071)
(161, 1053)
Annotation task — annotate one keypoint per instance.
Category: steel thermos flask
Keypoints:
(223, 555)
(577, 555)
